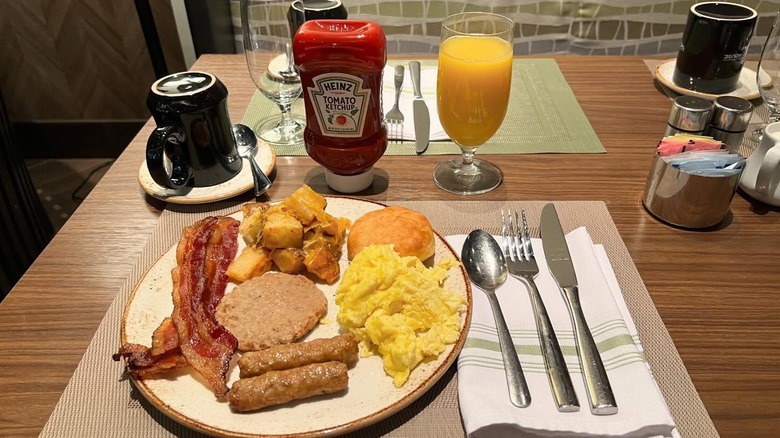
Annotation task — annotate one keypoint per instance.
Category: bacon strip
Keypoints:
(208, 347)
(165, 339)
(144, 362)
(192, 334)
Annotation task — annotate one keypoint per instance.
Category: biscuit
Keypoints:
(409, 231)
(272, 309)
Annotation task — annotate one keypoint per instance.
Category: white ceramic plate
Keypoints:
(747, 88)
(265, 155)
(371, 395)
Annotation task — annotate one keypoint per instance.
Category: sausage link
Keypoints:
(342, 348)
(278, 387)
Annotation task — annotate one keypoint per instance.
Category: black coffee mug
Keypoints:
(307, 10)
(193, 144)
(713, 47)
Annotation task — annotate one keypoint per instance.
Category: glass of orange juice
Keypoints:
(474, 79)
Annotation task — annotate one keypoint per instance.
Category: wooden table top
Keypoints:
(715, 290)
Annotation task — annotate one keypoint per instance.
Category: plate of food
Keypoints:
(256, 326)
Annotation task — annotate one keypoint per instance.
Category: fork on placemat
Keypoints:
(395, 118)
(521, 263)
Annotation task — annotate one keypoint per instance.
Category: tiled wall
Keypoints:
(598, 27)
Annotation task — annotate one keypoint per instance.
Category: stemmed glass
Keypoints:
(474, 79)
(769, 64)
(268, 48)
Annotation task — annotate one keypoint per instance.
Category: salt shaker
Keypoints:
(689, 115)
(730, 118)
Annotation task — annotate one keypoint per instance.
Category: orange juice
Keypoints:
(475, 74)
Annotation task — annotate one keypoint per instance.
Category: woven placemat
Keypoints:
(98, 403)
(543, 117)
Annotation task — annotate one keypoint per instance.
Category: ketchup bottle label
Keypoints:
(339, 101)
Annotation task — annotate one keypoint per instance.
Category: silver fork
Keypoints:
(520, 260)
(395, 118)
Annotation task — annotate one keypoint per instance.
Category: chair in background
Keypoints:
(24, 227)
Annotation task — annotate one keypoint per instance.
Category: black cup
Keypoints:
(306, 10)
(193, 144)
(713, 47)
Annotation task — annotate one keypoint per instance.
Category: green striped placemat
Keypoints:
(543, 117)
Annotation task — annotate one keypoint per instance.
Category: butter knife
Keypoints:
(422, 120)
(602, 400)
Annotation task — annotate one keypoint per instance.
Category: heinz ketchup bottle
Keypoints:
(340, 64)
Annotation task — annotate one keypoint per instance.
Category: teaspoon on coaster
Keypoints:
(246, 143)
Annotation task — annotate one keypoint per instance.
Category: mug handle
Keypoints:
(767, 177)
(181, 172)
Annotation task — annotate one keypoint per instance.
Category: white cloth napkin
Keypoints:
(482, 388)
(428, 89)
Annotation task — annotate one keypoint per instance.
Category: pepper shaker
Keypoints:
(730, 118)
(689, 115)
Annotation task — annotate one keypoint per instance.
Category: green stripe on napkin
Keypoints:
(543, 117)
(480, 346)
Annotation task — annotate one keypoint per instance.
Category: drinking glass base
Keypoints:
(453, 177)
(273, 132)
(758, 134)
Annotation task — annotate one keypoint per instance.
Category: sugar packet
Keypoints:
(699, 155)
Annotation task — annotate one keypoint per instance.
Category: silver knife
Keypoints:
(602, 400)
(422, 120)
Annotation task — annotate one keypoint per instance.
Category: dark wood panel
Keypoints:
(79, 59)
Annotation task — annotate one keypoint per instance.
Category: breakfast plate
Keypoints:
(266, 159)
(746, 89)
(371, 396)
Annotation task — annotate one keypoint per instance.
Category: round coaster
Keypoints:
(747, 89)
(266, 159)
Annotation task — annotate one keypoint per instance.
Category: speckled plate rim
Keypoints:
(265, 155)
(747, 89)
(157, 281)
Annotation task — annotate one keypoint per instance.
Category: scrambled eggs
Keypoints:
(398, 308)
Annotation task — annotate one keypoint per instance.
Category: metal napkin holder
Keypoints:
(687, 200)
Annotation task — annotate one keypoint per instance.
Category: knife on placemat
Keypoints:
(422, 120)
(602, 400)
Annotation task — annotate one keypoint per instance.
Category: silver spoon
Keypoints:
(291, 72)
(486, 267)
(246, 143)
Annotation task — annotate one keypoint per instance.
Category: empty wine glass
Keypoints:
(769, 66)
(268, 49)
(474, 79)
